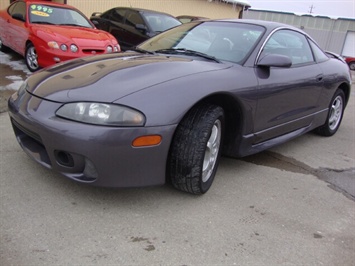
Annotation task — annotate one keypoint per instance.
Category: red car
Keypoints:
(350, 61)
(47, 33)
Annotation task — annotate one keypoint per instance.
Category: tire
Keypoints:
(31, 58)
(335, 115)
(3, 48)
(352, 65)
(196, 149)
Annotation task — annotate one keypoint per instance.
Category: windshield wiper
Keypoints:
(187, 52)
(43, 22)
(72, 24)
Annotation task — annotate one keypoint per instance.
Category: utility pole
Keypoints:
(311, 9)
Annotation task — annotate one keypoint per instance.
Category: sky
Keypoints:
(332, 8)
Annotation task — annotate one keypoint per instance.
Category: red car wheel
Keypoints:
(31, 58)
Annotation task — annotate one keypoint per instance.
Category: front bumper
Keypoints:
(97, 155)
(48, 57)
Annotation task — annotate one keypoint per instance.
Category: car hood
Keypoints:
(107, 78)
(82, 37)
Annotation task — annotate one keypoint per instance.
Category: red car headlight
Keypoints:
(74, 48)
(53, 44)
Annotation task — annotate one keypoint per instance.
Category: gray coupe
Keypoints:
(168, 109)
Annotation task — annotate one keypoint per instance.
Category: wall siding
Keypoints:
(174, 7)
(329, 33)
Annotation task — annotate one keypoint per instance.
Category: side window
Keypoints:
(318, 53)
(291, 44)
(118, 15)
(107, 14)
(18, 8)
(10, 9)
(133, 18)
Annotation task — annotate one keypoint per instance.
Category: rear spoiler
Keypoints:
(96, 14)
(336, 56)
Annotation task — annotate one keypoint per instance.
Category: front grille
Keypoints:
(93, 51)
(26, 131)
(32, 143)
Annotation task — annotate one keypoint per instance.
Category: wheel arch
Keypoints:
(26, 45)
(234, 119)
(346, 89)
(28, 42)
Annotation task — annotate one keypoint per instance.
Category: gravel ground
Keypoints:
(12, 72)
(4, 96)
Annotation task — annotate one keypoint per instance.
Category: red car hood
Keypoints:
(107, 78)
(67, 34)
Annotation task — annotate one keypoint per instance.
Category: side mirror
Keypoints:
(18, 16)
(275, 60)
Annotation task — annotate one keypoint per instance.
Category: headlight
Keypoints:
(74, 48)
(101, 114)
(109, 49)
(64, 48)
(53, 44)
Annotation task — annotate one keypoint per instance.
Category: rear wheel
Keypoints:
(31, 58)
(352, 65)
(335, 115)
(196, 149)
(3, 48)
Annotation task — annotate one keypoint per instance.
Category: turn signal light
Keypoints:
(150, 140)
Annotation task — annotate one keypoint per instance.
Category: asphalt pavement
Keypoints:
(291, 205)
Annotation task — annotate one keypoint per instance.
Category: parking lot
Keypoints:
(291, 205)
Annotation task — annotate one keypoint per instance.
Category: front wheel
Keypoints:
(335, 115)
(31, 58)
(196, 149)
(352, 65)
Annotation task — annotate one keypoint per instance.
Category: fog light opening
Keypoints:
(64, 158)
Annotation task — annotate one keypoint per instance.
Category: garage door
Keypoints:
(349, 44)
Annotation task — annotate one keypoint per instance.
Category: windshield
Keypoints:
(226, 41)
(45, 14)
(160, 22)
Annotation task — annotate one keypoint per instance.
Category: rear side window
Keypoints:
(118, 15)
(114, 15)
(318, 53)
(18, 8)
(133, 18)
(290, 43)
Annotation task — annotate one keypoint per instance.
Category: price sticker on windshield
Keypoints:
(41, 11)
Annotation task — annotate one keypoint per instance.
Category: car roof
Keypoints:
(142, 10)
(266, 24)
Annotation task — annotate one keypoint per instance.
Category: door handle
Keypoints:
(319, 78)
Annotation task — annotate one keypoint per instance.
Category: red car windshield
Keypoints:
(46, 14)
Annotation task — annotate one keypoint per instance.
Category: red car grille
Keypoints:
(93, 51)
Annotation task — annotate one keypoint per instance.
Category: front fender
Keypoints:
(167, 103)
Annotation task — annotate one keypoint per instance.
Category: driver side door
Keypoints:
(287, 96)
(15, 28)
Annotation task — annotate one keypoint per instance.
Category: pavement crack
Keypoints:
(341, 180)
